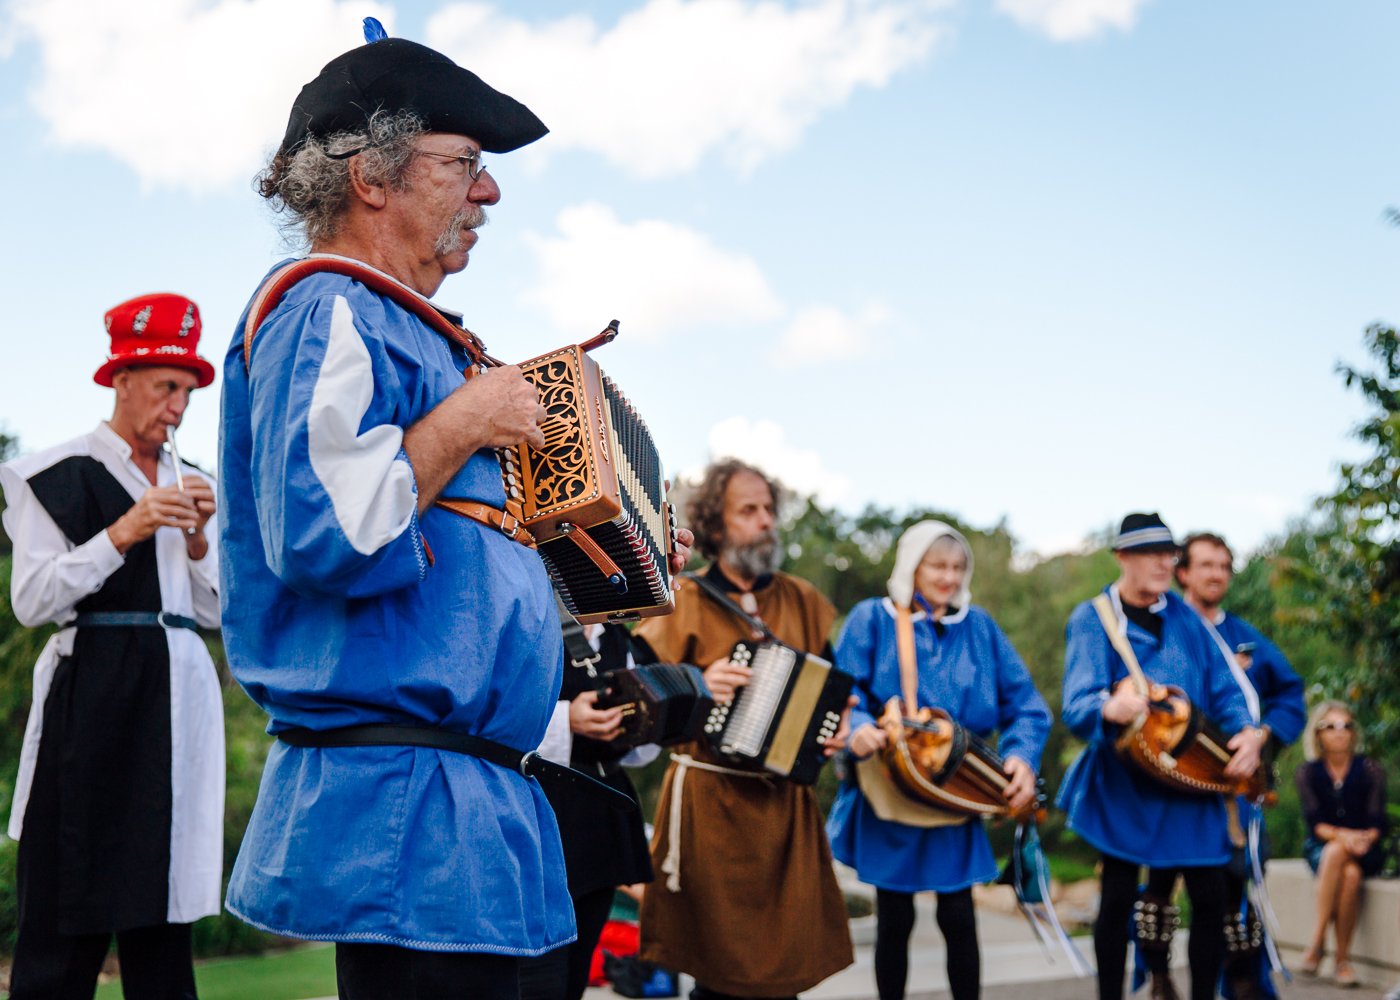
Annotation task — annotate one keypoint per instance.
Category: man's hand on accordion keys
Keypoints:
(837, 740)
(724, 677)
(685, 538)
(506, 407)
(586, 719)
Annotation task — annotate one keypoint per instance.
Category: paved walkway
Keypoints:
(1014, 967)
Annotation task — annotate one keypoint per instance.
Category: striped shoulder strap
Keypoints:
(280, 281)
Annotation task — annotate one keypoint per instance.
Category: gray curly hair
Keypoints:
(311, 187)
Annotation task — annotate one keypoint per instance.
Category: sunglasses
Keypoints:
(1323, 726)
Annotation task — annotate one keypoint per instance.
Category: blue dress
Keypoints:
(335, 614)
(1112, 804)
(974, 674)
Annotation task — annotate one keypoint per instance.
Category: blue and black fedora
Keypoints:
(1144, 533)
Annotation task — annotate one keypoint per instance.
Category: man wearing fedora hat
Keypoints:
(407, 653)
(1133, 820)
(118, 804)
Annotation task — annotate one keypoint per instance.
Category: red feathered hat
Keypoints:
(159, 329)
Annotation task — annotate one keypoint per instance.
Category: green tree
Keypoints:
(9, 448)
(1354, 565)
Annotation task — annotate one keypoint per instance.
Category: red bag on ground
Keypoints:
(621, 938)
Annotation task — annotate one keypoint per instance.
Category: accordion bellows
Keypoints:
(663, 703)
(598, 473)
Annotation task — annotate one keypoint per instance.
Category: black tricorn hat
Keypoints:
(1143, 533)
(396, 75)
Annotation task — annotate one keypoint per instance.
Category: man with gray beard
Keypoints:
(406, 652)
(739, 853)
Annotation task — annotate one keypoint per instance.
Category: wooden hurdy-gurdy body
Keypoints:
(594, 497)
(1174, 743)
(778, 721)
(938, 762)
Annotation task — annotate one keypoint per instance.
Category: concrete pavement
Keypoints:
(1014, 967)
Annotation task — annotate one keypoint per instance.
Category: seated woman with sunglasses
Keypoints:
(1343, 798)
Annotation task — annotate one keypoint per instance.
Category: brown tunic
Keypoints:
(758, 912)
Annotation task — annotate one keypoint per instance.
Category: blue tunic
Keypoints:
(1112, 804)
(971, 672)
(335, 614)
(1282, 704)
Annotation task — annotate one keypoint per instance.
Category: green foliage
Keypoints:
(19, 650)
(9, 447)
(1358, 561)
(246, 744)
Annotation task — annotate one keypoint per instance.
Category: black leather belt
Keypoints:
(117, 619)
(530, 764)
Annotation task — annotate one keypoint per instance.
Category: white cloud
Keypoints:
(677, 80)
(819, 334)
(187, 93)
(659, 277)
(763, 443)
(1072, 20)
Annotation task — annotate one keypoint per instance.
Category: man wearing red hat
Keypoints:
(118, 805)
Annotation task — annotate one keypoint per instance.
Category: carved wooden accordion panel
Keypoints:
(777, 721)
(598, 474)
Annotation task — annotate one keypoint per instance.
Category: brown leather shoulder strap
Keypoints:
(280, 281)
(908, 658)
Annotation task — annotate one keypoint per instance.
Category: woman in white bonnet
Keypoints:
(968, 668)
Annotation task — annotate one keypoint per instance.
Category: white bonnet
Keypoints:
(909, 552)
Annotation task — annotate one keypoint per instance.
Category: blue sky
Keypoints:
(1041, 260)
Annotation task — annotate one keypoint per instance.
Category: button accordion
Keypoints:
(594, 497)
(776, 722)
(662, 703)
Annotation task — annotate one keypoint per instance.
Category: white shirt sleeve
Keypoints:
(558, 742)
(204, 579)
(50, 575)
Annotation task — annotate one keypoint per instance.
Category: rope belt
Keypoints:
(530, 764)
(671, 866)
(126, 619)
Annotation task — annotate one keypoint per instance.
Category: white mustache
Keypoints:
(450, 239)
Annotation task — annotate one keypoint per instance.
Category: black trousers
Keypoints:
(894, 916)
(1206, 889)
(386, 972)
(562, 974)
(155, 961)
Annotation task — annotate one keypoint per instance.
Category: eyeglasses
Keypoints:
(471, 161)
(1324, 726)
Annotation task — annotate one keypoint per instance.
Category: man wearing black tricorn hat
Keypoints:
(406, 653)
(1132, 819)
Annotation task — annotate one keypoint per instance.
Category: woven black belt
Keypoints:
(118, 619)
(530, 764)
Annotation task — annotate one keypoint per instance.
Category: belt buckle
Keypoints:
(525, 760)
(164, 619)
(514, 528)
